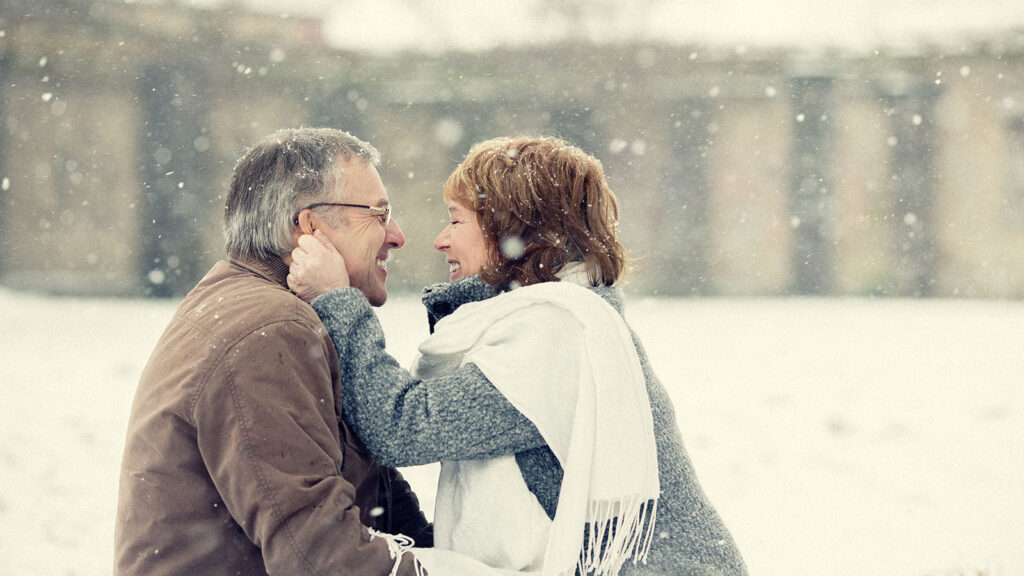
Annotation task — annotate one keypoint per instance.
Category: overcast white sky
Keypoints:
(438, 25)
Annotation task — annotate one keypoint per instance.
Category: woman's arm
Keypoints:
(405, 421)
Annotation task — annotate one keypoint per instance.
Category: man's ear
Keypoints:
(307, 222)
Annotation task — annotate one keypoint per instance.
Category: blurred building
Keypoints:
(739, 172)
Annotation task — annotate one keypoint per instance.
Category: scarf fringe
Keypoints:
(398, 545)
(618, 530)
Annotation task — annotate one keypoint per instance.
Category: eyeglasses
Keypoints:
(382, 212)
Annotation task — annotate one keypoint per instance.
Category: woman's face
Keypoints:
(462, 242)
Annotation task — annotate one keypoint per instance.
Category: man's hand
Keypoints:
(316, 268)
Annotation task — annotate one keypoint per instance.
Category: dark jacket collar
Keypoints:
(444, 298)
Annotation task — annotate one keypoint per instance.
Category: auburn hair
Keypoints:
(541, 203)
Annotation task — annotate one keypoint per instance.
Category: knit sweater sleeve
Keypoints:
(405, 421)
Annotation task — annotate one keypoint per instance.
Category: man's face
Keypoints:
(362, 238)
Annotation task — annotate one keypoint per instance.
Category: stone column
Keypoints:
(173, 192)
(910, 105)
(681, 211)
(811, 195)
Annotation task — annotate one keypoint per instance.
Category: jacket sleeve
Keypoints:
(406, 515)
(405, 421)
(266, 427)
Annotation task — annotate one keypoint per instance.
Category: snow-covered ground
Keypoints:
(836, 437)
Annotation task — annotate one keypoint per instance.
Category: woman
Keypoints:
(559, 446)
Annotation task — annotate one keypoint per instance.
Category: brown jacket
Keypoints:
(236, 461)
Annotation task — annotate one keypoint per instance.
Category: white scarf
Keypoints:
(566, 360)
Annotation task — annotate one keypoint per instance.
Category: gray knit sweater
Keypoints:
(405, 421)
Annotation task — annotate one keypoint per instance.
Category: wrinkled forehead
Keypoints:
(358, 181)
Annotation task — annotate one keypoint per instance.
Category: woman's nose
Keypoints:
(441, 242)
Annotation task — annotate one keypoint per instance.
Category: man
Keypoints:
(236, 459)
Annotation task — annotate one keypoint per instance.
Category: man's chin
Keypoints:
(378, 298)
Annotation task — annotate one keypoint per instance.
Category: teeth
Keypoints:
(382, 263)
(454, 267)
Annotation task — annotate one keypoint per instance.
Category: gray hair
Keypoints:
(272, 178)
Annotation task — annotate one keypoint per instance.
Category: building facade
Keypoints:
(739, 172)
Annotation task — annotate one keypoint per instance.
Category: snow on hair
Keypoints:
(541, 203)
(289, 167)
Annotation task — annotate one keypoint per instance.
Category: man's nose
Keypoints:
(394, 236)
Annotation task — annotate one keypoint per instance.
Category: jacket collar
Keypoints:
(273, 268)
